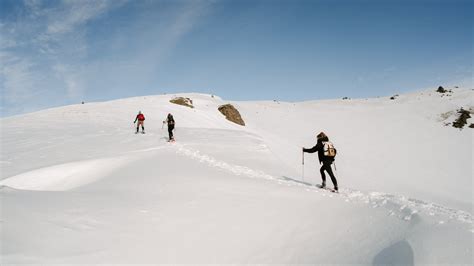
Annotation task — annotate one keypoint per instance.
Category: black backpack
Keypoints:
(170, 120)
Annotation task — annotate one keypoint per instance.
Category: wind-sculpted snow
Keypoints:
(64, 176)
(405, 208)
(94, 192)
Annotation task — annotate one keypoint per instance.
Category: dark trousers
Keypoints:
(140, 123)
(327, 167)
(170, 131)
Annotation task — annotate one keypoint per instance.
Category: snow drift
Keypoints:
(79, 187)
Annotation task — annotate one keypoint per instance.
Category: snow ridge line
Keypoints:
(400, 206)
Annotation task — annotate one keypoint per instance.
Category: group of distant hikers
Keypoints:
(325, 149)
(169, 121)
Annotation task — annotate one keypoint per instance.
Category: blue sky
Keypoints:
(63, 52)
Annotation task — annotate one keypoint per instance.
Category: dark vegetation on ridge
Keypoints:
(461, 121)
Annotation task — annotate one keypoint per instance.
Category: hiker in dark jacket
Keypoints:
(170, 121)
(325, 160)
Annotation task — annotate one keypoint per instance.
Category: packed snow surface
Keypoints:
(78, 186)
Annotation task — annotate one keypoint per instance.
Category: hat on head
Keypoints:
(321, 135)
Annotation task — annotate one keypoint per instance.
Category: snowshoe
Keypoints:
(330, 189)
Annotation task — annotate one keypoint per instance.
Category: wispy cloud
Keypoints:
(71, 75)
(41, 45)
(47, 48)
(6, 40)
(18, 78)
(73, 14)
(184, 20)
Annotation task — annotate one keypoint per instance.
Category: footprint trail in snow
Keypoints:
(399, 206)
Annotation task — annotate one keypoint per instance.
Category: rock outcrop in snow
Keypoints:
(231, 114)
(461, 121)
(184, 101)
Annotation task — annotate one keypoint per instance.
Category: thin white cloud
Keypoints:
(44, 49)
(71, 75)
(66, 18)
(18, 78)
(185, 19)
(6, 40)
(72, 14)
(40, 38)
(33, 7)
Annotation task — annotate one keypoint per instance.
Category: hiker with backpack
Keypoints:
(141, 121)
(326, 154)
(170, 122)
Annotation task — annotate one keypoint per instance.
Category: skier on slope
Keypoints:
(326, 157)
(170, 121)
(141, 121)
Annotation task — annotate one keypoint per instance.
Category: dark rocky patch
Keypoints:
(441, 90)
(183, 101)
(464, 115)
(231, 114)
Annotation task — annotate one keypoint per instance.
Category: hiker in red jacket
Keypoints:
(141, 121)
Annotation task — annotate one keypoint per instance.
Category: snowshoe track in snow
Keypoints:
(399, 206)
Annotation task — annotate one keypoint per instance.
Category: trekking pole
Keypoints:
(302, 153)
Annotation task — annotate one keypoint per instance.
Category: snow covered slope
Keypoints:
(80, 187)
